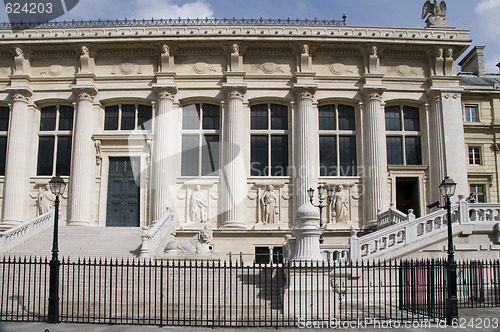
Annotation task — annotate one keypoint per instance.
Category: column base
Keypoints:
(80, 223)
(234, 224)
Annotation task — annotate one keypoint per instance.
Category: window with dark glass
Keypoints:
(269, 140)
(403, 135)
(4, 129)
(337, 140)
(200, 140)
(474, 155)
(55, 140)
(479, 191)
(128, 117)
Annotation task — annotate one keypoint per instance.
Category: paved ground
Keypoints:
(483, 319)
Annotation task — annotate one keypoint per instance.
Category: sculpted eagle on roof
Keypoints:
(437, 8)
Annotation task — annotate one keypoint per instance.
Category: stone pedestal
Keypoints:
(307, 276)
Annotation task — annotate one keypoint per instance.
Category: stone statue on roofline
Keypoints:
(437, 11)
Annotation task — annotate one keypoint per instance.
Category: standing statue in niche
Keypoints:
(437, 11)
(268, 203)
(198, 206)
(45, 199)
(339, 206)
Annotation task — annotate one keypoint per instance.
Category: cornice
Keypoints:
(241, 32)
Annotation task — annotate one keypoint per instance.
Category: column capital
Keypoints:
(19, 93)
(234, 91)
(165, 91)
(85, 92)
(304, 91)
(373, 92)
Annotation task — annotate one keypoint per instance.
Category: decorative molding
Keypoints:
(127, 68)
(98, 152)
(20, 97)
(402, 70)
(193, 51)
(337, 52)
(404, 54)
(268, 68)
(127, 52)
(86, 95)
(340, 69)
(54, 54)
(202, 68)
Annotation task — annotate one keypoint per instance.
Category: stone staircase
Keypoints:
(81, 241)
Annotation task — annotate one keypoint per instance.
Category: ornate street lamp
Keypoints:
(447, 188)
(321, 190)
(57, 186)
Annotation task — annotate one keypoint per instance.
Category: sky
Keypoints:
(479, 16)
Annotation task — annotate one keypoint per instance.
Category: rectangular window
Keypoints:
(45, 155)
(144, 115)
(63, 155)
(128, 117)
(392, 118)
(346, 118)
(66, 114)
(347, 152)
(48, 118)
(258, 118)
(190, 155)
(200, 140)
(413, 150)
(328, 155)
(478, 190)
(210, 155)
(327, 117)
(471, 113)
(4, 128)
(279, 117)
(3, 153)
(111, 118)
(411, 116)
(279, 155)
(394, 150)
(259, 155)
(474, 155)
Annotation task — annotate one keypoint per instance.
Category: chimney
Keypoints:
(473, 62)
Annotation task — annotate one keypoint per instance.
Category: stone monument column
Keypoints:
(233, 170)
(375, 154)
(306, 144)
(163, 176)
(19, 158)
(83, 169)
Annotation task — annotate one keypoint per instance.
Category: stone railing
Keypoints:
(393, 216)
(484, 212)
(335, 253)
(153, 235)
(18, 234)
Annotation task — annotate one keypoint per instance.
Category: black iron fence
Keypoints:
(214, 293)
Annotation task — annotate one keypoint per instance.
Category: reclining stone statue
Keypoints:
(196, 245)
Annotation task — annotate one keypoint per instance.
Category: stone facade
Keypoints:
(284, 106)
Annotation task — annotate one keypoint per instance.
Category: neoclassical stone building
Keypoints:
(228, 123)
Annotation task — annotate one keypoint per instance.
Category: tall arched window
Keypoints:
(337, 140)
(200, 140)
(55, 140)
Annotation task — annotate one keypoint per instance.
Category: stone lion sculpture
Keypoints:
(198, 244)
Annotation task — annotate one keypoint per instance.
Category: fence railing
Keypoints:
(224, 294)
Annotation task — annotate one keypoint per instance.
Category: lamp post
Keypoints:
(447, 188)
(321, 189)
(57, 186)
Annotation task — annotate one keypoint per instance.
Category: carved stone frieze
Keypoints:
(268, 68)
(168, 93)
(202, 68)
(340, 69)
(402, 70)
(127, 68)
(304, 93)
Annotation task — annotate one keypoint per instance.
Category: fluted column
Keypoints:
(19, 158)
(233, 173)
(83, 177)
(437, 169)
(306, 145)
(163, 176)
(375, 173)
